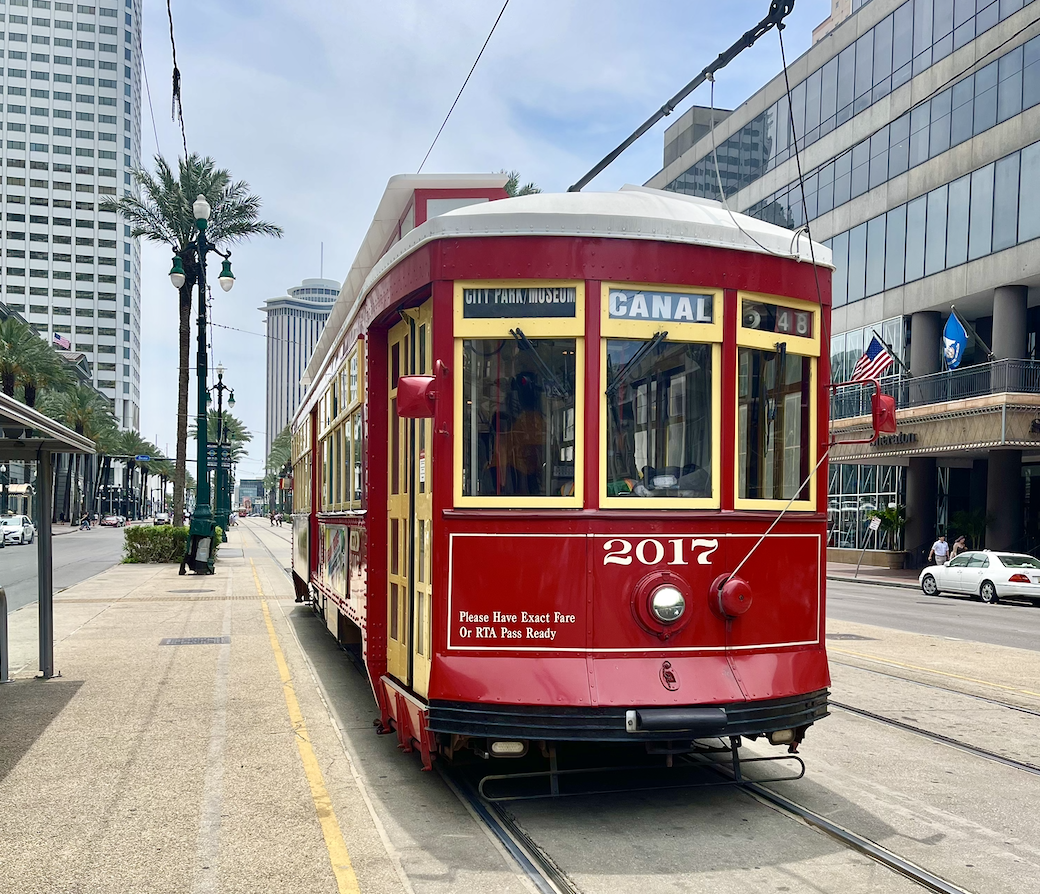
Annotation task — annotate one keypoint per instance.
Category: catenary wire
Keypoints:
(463, 87)
(148, 93)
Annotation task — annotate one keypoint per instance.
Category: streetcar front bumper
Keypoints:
(614, 724)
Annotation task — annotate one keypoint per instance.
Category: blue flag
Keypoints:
(954, 341)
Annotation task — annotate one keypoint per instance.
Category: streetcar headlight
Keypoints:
(667, 604)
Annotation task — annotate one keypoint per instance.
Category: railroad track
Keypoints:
(286, 571)
(939, 737)
(982, 698)
(538, 866)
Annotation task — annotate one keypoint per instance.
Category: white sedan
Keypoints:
(18, 529)
(985, 575)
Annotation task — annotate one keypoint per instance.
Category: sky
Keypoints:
(317, 104)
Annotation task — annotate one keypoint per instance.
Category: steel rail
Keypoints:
(939, 737)
(535, 864)
(981, 698)
(865, 846)
(270, 552)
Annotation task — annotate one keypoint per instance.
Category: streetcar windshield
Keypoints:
(518, 401)
(659, 434)
(773, 389)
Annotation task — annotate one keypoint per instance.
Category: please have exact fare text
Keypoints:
(499, 625)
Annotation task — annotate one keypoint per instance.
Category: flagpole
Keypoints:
(971, 330)
(892, 353)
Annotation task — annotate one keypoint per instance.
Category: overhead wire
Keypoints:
(825, 339)
(148, 93)
(176, 106)
(463, 87)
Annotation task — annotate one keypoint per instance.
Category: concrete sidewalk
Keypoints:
(184, 747)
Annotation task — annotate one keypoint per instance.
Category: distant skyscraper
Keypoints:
(72, 115)
(294, 324)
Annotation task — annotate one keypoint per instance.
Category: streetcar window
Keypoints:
(659, 419)
(773, 407)
(518, 399)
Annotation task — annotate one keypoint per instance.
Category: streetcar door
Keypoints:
(409, 612)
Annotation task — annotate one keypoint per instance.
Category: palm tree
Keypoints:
(28, 361)
(513, 187)
(236, 435)
(163, 214)
(280, 454)
(86, 412)
(131, 444)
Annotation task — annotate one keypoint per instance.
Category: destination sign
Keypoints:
(665, 307)
(549, 301)
(774, 318)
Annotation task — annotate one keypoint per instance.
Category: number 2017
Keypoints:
(654, 552)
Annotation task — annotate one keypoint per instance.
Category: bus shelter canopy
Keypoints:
(27, 433)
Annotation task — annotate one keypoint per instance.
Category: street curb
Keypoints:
(867, 580)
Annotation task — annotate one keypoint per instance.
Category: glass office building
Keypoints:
(918, 128)
(70, 75)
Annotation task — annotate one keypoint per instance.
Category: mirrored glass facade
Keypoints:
(909, 40)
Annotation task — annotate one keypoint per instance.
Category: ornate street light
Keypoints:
(199, 556)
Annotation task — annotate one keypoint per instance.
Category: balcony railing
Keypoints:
(998, 377)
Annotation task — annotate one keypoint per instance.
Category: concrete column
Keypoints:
(1004, 499)
(925, 347)
(1009, 322)
(920, 502)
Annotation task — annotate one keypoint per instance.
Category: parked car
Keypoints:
(111, 521)
(18, 529)
(162, 518)
(985, 575)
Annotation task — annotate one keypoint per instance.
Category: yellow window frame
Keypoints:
(644, 330)
(533, 327)
(799, 346)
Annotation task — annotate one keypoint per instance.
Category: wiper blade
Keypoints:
(556, 387)
(626, 371)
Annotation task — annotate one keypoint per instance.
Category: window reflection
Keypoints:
(659, 419)
(518, 417)
(773, 400)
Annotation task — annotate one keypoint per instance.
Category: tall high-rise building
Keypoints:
(71, 83)
(294, 324)
(910, 146)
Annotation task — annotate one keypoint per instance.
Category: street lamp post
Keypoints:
(199, 556)
(223, 500)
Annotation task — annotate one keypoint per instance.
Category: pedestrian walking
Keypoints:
(959, 546)
(940, 551)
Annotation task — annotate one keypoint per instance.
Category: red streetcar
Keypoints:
(542, 441)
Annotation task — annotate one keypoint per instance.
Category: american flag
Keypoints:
(62, 342)
(873, 363)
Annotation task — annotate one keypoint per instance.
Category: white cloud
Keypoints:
(318, 104)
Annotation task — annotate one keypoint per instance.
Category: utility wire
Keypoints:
(148, 91)
(176, 106)
(463, 87)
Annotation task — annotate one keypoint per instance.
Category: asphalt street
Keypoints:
(77, 556)
(1009, 623)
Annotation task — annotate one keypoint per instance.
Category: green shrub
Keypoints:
(154, 543)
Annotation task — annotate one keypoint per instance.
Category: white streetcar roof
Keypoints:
(634, 212)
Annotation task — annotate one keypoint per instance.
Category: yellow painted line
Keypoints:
(929, 670)
(339, 857)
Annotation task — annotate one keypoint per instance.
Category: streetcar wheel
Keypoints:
(988, 593)
(929, 587)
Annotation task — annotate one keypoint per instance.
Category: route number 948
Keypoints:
(655, 552)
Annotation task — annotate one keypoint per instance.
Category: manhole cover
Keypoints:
(849, 636)
(195, 641)
(190, 591)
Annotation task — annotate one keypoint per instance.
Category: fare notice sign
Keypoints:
(548, 301)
